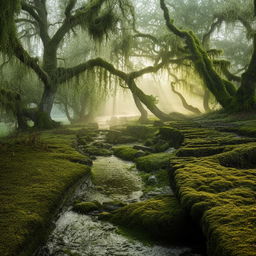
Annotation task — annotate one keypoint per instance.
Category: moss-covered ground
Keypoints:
(161, 217)
(213, 175)
(36, 171)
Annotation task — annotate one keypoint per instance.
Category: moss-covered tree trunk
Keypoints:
(143, 111)
(224, 91)
(187, 106)
(148, 101)
(245, 96)
(220, 88)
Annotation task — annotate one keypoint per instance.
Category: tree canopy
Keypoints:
(207, 47)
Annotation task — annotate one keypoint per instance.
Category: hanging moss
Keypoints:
(9, 101)
(101, 25)
(7, 25)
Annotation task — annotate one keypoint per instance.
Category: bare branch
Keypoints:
(70, 6)
(30, 9)
(207, 36)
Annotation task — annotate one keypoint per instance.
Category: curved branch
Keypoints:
(30, 10)
(40, 17)
(202, 62)
(70, 6)
(207, 36)
(30, 62)
(66, 74)
(184, 102)
(79, 18)
(142, 35)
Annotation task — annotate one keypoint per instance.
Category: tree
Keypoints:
(98, 17)
(230, 98)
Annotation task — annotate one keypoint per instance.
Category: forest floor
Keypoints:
(212, 174)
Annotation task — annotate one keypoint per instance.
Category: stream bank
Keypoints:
(212, 174)
(115, 184)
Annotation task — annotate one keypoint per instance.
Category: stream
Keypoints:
(85, 235)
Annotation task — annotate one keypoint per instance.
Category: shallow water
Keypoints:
(6, 129)
(85, 235)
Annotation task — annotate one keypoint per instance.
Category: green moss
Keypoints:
(242, 157)
(199, 151)
(97, 151)
(222, 199)
(153, 162)
(34, 179)
(127, 153)
(86, 207)
(43, 121)
(162, 179)
(119, 137)
(141, 131)
(161, 217)
(172, 135)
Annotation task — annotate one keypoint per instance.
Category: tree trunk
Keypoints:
(43, 116)
(70, 119)
(184, 102)
(206, 100)
(47, 100)
(143, 112)
(147, 101)
(245, 96)
(220, 88)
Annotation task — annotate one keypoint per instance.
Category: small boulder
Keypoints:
(152, 180)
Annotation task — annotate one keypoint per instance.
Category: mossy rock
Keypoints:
(161, 217)
(141, 131)
(160, 146)
(96, 151)
(34, 180)
(199, 151)
(243, 157)
(119, 137)
(174, 137)
(153, 162)
(128, 153)
(112, 205)
(87, 207)
(222, 200)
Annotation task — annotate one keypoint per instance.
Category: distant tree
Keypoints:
(230, 98)
(98, 17)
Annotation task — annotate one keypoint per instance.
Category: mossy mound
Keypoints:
(36, 172)
(87, 207)
(119, 137)
(199, 151)
(221, 199)
(243, 128)
(153, 162)
(161, 217)
(172, 135)
(128, 153)
(97, 151)
(243, 157)
(141, 131)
